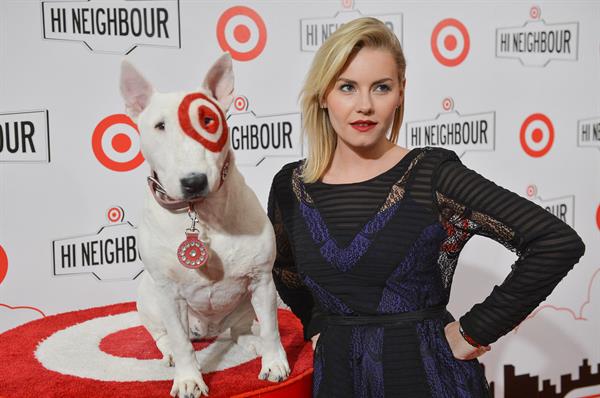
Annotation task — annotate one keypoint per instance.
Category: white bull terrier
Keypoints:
(205, 240)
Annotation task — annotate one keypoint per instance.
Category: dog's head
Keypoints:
(184, 136)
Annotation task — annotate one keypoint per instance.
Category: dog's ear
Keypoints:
(135, 89)
(219, 80)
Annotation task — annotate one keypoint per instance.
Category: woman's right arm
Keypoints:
(287, 280)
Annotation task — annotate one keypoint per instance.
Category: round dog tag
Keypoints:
(192, 252)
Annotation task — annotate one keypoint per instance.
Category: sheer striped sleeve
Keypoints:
(547, 248)
(287, 280)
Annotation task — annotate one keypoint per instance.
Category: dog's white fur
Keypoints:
(177, 304)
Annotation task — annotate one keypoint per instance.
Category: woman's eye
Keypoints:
(383, 88)
(160, 126)
(346, 87)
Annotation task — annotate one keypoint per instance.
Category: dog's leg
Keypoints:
(188, 380)
(149, 316)
(241, 328)
(275, 366)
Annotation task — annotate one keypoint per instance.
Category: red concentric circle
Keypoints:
(537, 135)
(240, 103)
(448, 104)
(450, 42)
(20, 367)
(115, 214)
(241, 32)
(113, 143)
(218, 120)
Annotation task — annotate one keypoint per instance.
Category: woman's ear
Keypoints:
(402, 89)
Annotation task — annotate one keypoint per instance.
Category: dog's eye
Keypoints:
(208, 120)
(160, 126)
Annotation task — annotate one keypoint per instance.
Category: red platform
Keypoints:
(88, 363)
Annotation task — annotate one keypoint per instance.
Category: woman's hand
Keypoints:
(461, 349)
(314, 340)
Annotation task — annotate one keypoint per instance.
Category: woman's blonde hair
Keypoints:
(327, 65)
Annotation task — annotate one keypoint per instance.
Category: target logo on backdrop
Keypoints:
(242, 32)
(115, 215)
(240, 103)
(3, 264)
(450, 42)
(116, 143)
(537, 135)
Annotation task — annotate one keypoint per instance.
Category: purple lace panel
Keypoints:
(317, 369)
(327, 300)
(446, 375)
(315, 223)
(415, 283)
(344, 259)
(367, 361)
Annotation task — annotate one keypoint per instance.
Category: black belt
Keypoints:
(386, 319)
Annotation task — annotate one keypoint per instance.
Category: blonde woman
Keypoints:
(369, 234)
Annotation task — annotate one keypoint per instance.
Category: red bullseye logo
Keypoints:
(115, 214)
(450, 42)
(203, 120)
(241, 32)
(531, 191)
(537, 135)
(116, 143)
(535, 12)
(3, 264)
(448, 104)
(348, 4)
(240, 103)
(598, 216)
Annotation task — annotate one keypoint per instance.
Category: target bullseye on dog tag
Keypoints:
(192, 252)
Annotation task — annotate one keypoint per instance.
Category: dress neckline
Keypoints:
(384, 206)
(404, 158)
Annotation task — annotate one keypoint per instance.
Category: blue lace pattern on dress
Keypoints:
(327, 300)
(415, 284)
(345, 259)
(367, 361)
(446, 375)
(317, 369)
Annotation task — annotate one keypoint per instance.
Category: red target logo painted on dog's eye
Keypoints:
(208, 119)
(202, 120)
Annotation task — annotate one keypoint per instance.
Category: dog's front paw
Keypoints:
(189, 385)
(275, 366)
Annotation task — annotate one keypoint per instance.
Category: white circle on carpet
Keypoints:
(75, 351)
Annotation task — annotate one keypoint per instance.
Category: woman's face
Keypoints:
(362, 102)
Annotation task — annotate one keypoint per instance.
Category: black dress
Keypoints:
(390, 245)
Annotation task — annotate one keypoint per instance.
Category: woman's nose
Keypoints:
(365, 103)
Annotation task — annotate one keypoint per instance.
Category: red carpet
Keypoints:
(22, 374)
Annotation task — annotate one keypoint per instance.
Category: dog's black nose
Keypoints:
(194, 184)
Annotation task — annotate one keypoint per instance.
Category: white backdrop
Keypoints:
(521, 78)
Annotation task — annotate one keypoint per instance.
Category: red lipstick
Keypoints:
(363, 125)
